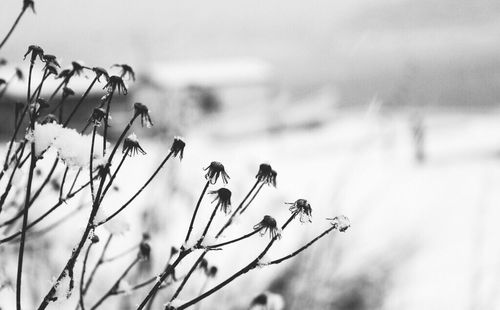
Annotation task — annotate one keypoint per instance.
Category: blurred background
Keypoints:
(385, 111)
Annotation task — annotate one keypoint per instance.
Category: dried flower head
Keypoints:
(212, 272)
(49, 119)
(266, 174)
(302, 208)
(19, 74)
(216, 170)
(116, 83)
(51, 60)
(100, 72)
(131, 146)
(35, 51)
(50, 69)
(223, 199)
(67, 92)
(268, 224)
(143, 111)
(341, 222)
(177, 147)
(173, 251)
(77, 67)
(144, 251)
(29, 4)
(65, 74)
(97, 117)
(203, 265)
(125, 70)
(94, 239)
(2, 82)
(3, 61)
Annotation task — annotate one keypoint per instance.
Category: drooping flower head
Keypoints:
(35, 51)
(3, 61)
(302, 208)
(223, 199)
(51, 60)
(341, 222)
(131, 146)
(143, 111)
(50, 69)
(67, 92)
(29, 4)
(97, 117)
(94, 239)
(216, 170)
(65, 74)
(2, 82)
(125, 70)
(212, 272)
(203, 265)
(19, 74)
(77, 67)
(268, 224)
(116, 83)
(144, 251)
(177, 147)
(100, 72)
(266, 175)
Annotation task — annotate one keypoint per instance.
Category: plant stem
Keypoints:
(61, 187)
(251, 200)
(235, 212)
(113, 176)
(82, 277)
(186, 278)
(91, 170)
(138, 192)
(215, 246)
(205, 231)
(116, 284)
(13, 27)
(79, 102)
(97, 265)
(191, 224)
(277, 261)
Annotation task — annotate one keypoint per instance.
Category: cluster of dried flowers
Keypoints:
(88, 156)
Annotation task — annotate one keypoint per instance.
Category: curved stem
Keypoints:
(191, 224)
(82, 277)
(186, 278)
(13, 27)
(97, 265)
(79, 102)
(251, 200)
(137, 193)
(218, 245)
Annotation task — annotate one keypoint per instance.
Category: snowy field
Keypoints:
(423, 235)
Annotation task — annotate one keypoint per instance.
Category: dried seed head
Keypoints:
(97, 117)
(177, 147)
(146, 236)
(131, 146)
(341, 222)
(212, 272)
(100, 72)
(260, 300)
(68, 92)
(173, 251)
(51, 60)
(266, 174)
(77, 67)
(49, 119)
(19, 74)
(115, 83)
(35, 51)
(223, 199)
(125, 70)
(65, 74)
(51, 69)
(144, 251)
(203, 265)
(29, 4)
(2, 81)
(268, 224)
(143, 111)
(302, 208)
(94, 239)
(216, 170)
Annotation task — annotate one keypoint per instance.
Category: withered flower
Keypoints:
(116, 83)
(268, 224)
(216, 170)
(302, 208)
(125, 70)
(177, 147)
(143, 111)
(223, 199)
(131, 146)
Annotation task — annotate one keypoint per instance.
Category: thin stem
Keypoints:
(113, 176)
(138, 192)
(79, 102)
(106, 122)
(9, 184)
(120, 255)
(26, 201)
(65, 81)
(191, 224)
(97, 265)
(277, 261)
(13, 138)
(218, 245)
(82, 277)
(205, 231)
(90, 165)
(13, 27)
(116, 284)
(61, 187)
(186, 278)
(74, 181)
(251, 200)
(168, 271)
(230, 220)
(40, 218)
(242, 271)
